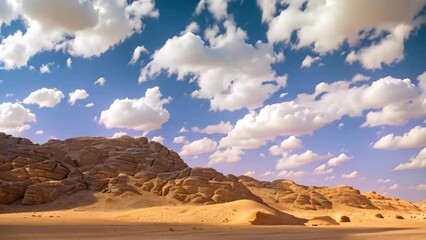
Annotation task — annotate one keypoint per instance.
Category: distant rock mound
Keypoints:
(390, 203)
(41, 173)
(287, 194)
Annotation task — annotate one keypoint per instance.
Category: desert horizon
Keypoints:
(212, 119)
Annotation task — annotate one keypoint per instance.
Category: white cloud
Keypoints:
(291, 174)
(44, 68)
(78, 94)
(69, 63)
(179, 139)
(45, 97)
(388, 51)
(268, 173)
(249, 173)
(299, 160)
(14, 118)
(341, 125)
(159, 139)
(101, 81)
(220, 128)
(416, 137)
(119, 134)
(200, 146)
(309, 112)
(420, 187)
(39, 132)
(360, 77)
(228, 155)
(83, 28)
(399, 112)
(143, 114)
(262, 155)
(9, 95)
(418, 161)
(308, 61)
(384, 180)
(225, 70)
(336, 161)
(320, 25)
(193, 27)
(183, 130)
(394, 187)
(216, 7)
(322, 169)
(137, 53)
(353, 174)
(283, 95)
(329, 177)
(89, 105)
(291, 143)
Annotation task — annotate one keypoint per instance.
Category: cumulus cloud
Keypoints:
(394, 187)
(420, 187)
(416, 137)
(81, 28)
(353, 174)
(137, 53)
(384, 180)
(144, 114)
(44, 68)
(69, 63)
(179, 139)
(329, 177)
(249, 173)
(336, 161)
(228, 155)
(193, 27)
(216, 7)
(119, 134)
(322, 169)
(418, 161)
(291, 174)
(220, 128)
(39, 132)
(89, 105)
(45, 97)
(288, 144)
(299, 160)
(183, 130)
(308, 61)
(159, 139)
(360, 77)
(101, 81)
(386, 24)
(399, 112)
(309, 112)
(231, 73)
(78, 94)
(14, 118)
(200, 146)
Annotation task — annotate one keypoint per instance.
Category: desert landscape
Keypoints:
(212, 119)
(132, 188)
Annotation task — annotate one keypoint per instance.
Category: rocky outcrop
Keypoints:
(288, 195)
(390, 203)
(41, 173)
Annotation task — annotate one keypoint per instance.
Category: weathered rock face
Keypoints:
(41, 173)
(287, 194)
(390, 203)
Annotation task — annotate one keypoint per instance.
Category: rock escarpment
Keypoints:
(37, 174)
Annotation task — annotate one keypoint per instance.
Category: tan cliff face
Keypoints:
(36, 174)
(41, 173)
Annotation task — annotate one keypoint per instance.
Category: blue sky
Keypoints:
(306, 90)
